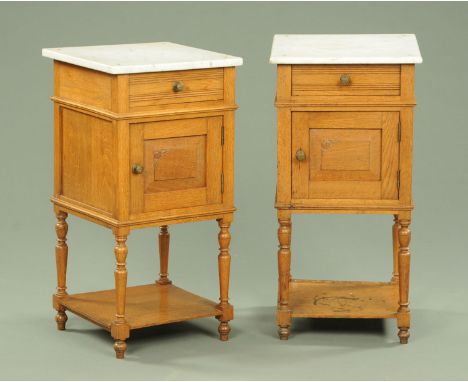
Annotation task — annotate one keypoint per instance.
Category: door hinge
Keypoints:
(398, 180)
(222, 135)
(399, 130)
(222, 183)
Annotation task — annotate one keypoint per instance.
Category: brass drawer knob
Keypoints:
(137, 169)
(178, 86)
(345, 79)
(300, 155)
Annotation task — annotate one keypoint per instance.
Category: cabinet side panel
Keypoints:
(300, 169)
(230, 85)
(119, 89)
(86, 160)
(407, 83)
(283, 187)
(406, 156)
(57, 150)
(84, 86)
(390, 155)
(122, 172)
(283, 83)
(228, 159)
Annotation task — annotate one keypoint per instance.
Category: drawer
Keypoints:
(149, 90)
(345, 80)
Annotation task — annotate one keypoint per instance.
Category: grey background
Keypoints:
(341, 247)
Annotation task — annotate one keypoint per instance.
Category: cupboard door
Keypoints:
(345, 155)
(181, 164)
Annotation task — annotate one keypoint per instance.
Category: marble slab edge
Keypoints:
(146, 68)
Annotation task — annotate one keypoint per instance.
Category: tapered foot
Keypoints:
(61, 319)
(120, 347)
(283, 332)
(224, 329)
(403, 333)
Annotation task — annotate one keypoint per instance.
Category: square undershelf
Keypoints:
(343, 299)
(146, 305)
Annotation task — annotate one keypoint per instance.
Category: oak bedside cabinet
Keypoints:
(144, 137)
(345, 136)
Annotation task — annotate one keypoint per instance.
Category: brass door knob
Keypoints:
(178, 86)
(137, 169)
(300, 155)
(345, 79)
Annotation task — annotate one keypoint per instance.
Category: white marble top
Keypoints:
(345, 49)
(141, 58)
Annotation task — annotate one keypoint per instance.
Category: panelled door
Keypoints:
(176, 164)
(345, 155)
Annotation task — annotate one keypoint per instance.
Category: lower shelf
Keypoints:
(343, 299)
(146, 305)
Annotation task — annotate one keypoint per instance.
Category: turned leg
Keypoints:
(61, 256)
(283, 314)
(396, 248)
(224, 263)
(164, 238)
(120, 330)
(403, 316)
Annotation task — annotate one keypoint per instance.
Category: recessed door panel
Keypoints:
(181, 164)
(352, 154)
(175, 163)
(345, 155)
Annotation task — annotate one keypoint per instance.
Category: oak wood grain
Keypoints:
(343, 299)
(146, 305)
(224, 265)
(86, 162)
(105, 124)
(284, 269)
(348, 155)
(149, 90)
(82, 85)
(345, 148)
(61, 259)
(164, 238)
(120, 328)
(404, 239)
(182, 164)
(324, 80)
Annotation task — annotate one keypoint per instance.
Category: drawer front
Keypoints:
(345, 80)
(345, 155)
(148, 90)
(180, 164)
